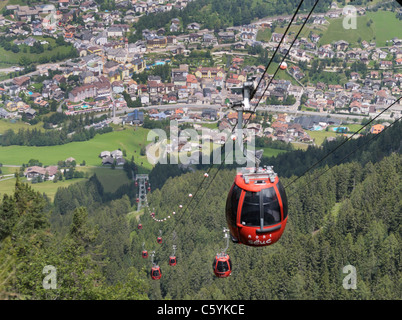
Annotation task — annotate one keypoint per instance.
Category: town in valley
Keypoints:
(93, 61)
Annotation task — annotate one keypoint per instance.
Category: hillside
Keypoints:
(348, 215)
(221, 14)
(333, 222)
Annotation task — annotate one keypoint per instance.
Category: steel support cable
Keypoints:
(277, 48)
(255, 90)
(253, 93)
(247, 120)
(343, 142)
(348, 155)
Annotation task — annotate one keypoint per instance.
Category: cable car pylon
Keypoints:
(141, 180)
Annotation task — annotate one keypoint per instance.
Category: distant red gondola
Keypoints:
(156, 273)
(145, 254)
(172, 261)
(222, 265)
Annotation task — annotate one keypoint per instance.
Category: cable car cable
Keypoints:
(247, 120)
(255, 90)
(341, 144)
(277, 48)
(253, 93)
(287, 51)
(350, 153)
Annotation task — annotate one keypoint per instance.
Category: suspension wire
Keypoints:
(341, 144)
(288, 51)
(277, 48)
(255, 90)
(247, 120)
(349, 154)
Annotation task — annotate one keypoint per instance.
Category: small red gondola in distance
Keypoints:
(159, 240)
(256, 207)
(172, 261)
(283, 66)
(156, 273)
(222, 265)
(144, 254)
(139, 226)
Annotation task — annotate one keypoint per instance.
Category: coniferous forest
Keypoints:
(342, 213)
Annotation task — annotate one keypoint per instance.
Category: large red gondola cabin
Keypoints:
(256, 207)
(222, 265)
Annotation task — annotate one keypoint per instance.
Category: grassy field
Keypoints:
(128, 140)
(11, 58)
(384, 26)
(49, 187)
(6, 125)
(110, 179)
(300, 145)
(336, 31)
(320, 136)
(264, 35)
(269, 152)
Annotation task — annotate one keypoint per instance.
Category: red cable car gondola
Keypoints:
(156, 273)
(139, 226)
(222, 265)
(159, 239)
(256, 207)
(172, 261)
(144, 253)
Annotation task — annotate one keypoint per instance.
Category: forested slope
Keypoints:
(350, 215)
(221, 14)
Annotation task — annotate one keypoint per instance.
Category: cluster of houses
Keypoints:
(114, 157)
(107, 62)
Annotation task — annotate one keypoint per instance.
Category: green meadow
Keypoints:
(17, 125)
(49, 187)
(320, 136)
(110, 179)
(129, 139)
(270, 152)
(384, 26)
(51, 50)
